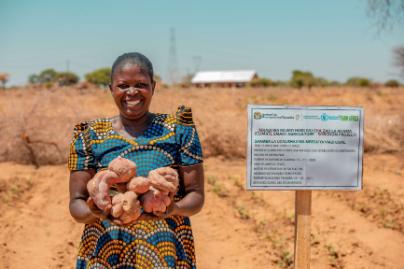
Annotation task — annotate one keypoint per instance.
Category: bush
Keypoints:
(392, 83)
(260, 82)
(358, 82)
(67, 78)
(99, 77)
(302, 79)
(50, 76)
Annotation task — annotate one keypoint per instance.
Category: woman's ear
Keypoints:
(153, 86)
(110, 87)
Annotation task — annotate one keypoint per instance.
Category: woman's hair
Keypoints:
(135, 58)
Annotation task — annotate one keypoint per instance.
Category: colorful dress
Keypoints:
(170, 140)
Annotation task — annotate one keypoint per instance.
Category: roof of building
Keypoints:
(224, 76)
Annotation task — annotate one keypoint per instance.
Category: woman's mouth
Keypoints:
(132, 104)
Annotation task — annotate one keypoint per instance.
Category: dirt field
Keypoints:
(236, 228)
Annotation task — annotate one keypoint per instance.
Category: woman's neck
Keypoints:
(134, 127)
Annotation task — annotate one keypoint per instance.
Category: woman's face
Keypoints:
(132, 89)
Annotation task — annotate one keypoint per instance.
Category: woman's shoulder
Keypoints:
(183, 116)
(98, 125)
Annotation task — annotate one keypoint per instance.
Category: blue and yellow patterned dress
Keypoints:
(170, 140)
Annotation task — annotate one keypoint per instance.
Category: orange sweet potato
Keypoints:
(126, 208)
(120, 170)
(164, 179)
(139, 185)
(124, 168)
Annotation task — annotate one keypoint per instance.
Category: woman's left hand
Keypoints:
(171, 210)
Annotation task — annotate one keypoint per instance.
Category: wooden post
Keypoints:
(302, 229)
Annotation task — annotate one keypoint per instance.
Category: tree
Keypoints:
(260, 82)
(302, 79)
(3, 80)
(358, 82)
(100, 77)
(67, 78)
(392, 83)
(48, 76)
(399, 58)
(386, 13)
(34, 79)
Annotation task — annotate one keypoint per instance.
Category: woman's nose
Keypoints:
(132, 90)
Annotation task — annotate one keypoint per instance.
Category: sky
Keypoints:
(332, 39)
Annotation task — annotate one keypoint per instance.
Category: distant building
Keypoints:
(223, 78)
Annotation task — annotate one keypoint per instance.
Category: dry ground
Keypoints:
(236, 228)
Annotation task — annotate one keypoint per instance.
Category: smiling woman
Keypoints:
(152, 141)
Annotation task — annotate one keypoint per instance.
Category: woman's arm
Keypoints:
(79, 195)
(193, 200)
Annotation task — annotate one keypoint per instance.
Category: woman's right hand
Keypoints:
(97, 212)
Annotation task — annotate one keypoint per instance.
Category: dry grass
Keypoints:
(37, 123)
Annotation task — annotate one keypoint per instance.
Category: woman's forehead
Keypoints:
(130, 70)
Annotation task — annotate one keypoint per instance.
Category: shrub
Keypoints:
(67, 78)
(260, 82)
(358, 82)
(302, 79)
(392, 83)
(50, 76)
(99, 77)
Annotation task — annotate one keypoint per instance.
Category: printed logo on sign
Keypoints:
(326, 117)
(257, 115)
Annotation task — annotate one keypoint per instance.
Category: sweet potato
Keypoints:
(120, 170)
(98, 188)
(124, 168)
(125, 207)
(139, 185)
(152, 203)
(164, 179)
(117, 203)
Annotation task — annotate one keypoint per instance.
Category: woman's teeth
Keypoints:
(133, 103)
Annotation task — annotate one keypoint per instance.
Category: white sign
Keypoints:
(304, 148)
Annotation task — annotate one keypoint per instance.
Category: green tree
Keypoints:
(33, 79)
(48, 76)
(100, 77)
(358, 82)
(302, 79)
(67, 78)
(392, 83)
(260, 82)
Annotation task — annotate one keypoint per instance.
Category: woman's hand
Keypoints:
(97, 212)
(79, 209)
(172, 210)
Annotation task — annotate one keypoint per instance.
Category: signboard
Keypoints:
(304, 148)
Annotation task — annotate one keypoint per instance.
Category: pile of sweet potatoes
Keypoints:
(154, 193)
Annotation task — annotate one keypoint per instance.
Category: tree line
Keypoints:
(306, 79)
(101, 77)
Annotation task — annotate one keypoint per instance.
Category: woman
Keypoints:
(152, 140)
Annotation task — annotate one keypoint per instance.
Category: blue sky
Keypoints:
(332, 39)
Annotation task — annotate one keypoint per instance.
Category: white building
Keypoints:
(237, 78)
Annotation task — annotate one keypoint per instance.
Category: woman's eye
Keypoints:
(123, 86)
(141, 85)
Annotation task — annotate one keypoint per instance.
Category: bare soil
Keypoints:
(236, 228)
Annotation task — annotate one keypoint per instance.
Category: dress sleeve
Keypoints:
(81, 155)
(190, 151)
